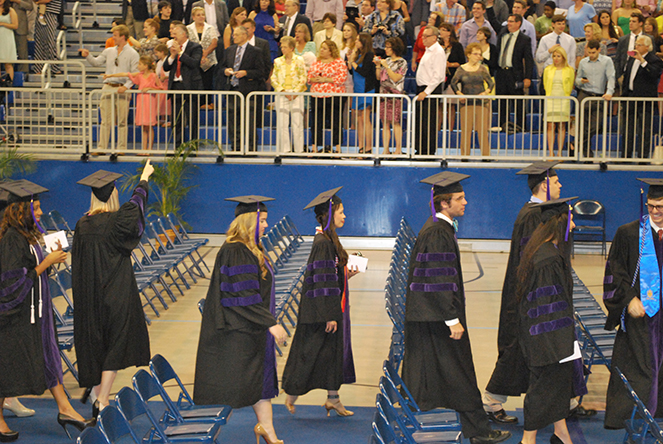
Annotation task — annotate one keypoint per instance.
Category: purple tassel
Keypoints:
(547, 184)
(32, 210)
(568, 225)
(642, 210)
(329, 218)
(432, 204)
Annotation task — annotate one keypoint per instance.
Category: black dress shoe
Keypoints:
(8, 437)
(554, 439)
(493, 437)
(581, 412)
(501, 417)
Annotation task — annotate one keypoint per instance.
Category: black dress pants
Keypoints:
(185, 114)
(426, 127)
(507, 84)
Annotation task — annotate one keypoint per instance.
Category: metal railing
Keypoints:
(77, 20)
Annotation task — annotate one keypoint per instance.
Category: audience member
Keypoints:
(261, 44)
(382, 24)
(453, 13)
(134, 13)
(22, 8)
(557, 38)
(515, 71)
(488, 50)
(114, 104)
(329, 32)
(391, 74)
(46, 36)
(543, 24)
(468, 31)
(592, 32)
(558, 78)
(434, 19)
(327, 75)
(610, 33)
(267, 25)
(164, 103)
(236, 18)
(366, 8)
(247, 4)
(289, 76)
(455, 57)
(206, 35)
(646, 7)
(349, 41)
(471, 79)
(626, 43)
(519, 8)
(431, 73)
(183, 65)
(362, 69)
(317, 10)
(595, 78)
(292, 18)
(651, 29)
(8, 23)
(165, 11)
(147, 44)
(245, 71)
(497, 11)
(216, 15)
(641, 76)
(110, 41)
(622, 16)
(304, 46)
(401, 6)
(578, 16)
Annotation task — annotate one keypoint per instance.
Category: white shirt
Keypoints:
(432, 68)
(634, 71)
(566, 41)
(444, 217)
(210, 13)
(171, 60)
(291, 24)
(528, 29)
(252, 40)
(632, 39)
(506, 52)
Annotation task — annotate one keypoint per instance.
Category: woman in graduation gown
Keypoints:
(547, 329)
(321, 352)
(236, 361)
(29, 356)
(109, 323)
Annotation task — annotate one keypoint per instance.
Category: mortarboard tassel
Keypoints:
(32, 211)
(432, 204)
(548, 184)
(257, 235)
(568, 225)
(329, 217)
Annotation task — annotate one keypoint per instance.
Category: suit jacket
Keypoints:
(190, 68)
(252, 63)
(263, 46)
(622, 57)
(299, 18)
(22, 8)
(138, 7)
(248, 4)
(522, 61)
(645, 83)
(222, 18)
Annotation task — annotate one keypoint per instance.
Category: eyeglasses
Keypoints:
(424, 36)
(658, 208)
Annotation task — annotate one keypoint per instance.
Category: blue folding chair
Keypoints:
(115, 426)
(382, 431)
(201, 306)
(91, 435)
(641, 423)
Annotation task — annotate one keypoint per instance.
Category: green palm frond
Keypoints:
(12, 162)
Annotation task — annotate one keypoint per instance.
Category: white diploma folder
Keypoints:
(358, 262)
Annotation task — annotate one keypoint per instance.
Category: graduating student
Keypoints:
(437, 365)
(109, 322)
(632, 292)
(236, 361)
(29, 356)
(510, 376)
(321, 351)
(547, 329)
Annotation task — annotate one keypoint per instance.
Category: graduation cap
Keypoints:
(538, 172)
(655, 188)
(320, 203)
(446, 182)
(102, 183)
(557, 207)
(24, 191)
(251, 204)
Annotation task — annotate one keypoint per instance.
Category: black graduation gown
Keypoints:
(511, 374)
(547, 334)
(22, 359)
(438, 371)
(320, 360)
(637, 347)
(109, 323)
(230, 364)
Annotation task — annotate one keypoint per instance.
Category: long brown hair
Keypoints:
(551, 231)
(330, 233)
(366, 46)
(19, 216)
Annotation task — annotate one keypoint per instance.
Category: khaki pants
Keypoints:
(474, 116)
(135, 26)
(118, 104)
(293, 111)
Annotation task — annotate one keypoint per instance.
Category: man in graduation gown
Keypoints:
(632, 297)
(511, 374)
(437, 366)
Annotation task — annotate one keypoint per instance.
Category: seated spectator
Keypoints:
(391, 74)
(206, 36)
(383, 23)
(452, 12)
(362, 69)
(472, 79)
(488, 50)
(543, 25)
(236, 19)
(329, 32)
(418, 50)
(558, 80)
(267, 24)
(592, 31)
(289, 76)
(165, 11)
(578, 16)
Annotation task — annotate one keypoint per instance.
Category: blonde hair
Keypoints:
(562, 52)
(110, 206)
(197, 9)
(243, 230)
(288, 41)
(595, 27)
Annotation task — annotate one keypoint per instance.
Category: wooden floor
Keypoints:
(175, 333)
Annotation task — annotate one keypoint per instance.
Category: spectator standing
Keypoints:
(114, 101)
(627, 43)
(46, 35)
(22, 8)
(362, 69)
(216, 14)
(647, 7)
(578, 16)
(520, 7)
(453, 12)
(595, 78)
(316, 11)
(434, 19)
(134, 13)
(610, 33)
(391, 74)
(267, 25)
(557, 38)
(366, 8)
(304, 46)
(165, 11)
(236, 18)
(147, 44)
(543, 25)
(289, 76)
(455, 57)
(430, 76)
(349, 41)
(497, 11)
(205, 35)
(558, 78)
(234, 4)
(473, 78)
(8, 23)
(488, 50)
(651, 28)
(383, 24)
(592, 32)
(468, 31)
(292, 18)
(621, 16)
(329, 32)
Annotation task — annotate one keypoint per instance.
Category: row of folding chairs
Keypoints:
(145, 413)
(396, 288)
(641, 427)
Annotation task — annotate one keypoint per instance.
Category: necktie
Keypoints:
(178, 71)
(558, 39)
(287, 25)
(505, 49)
(238, 60)
(660, 235)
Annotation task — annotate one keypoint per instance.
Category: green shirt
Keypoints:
(543, 24)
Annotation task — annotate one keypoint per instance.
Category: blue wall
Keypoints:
(375, 199)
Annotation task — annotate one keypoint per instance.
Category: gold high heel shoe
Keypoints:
(337, 407)
(259, 430)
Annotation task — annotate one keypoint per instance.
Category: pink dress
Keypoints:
(146, 103)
